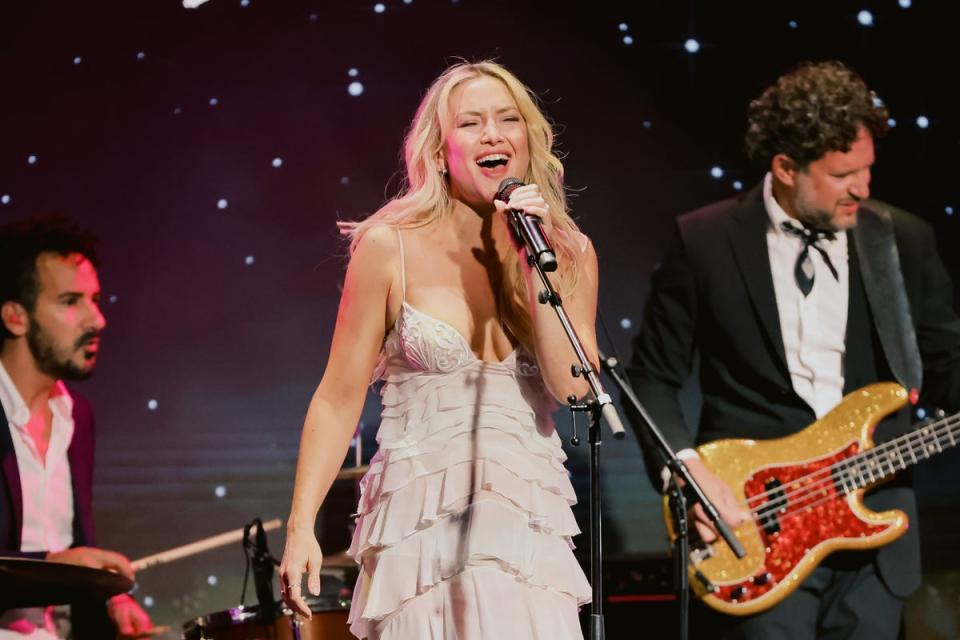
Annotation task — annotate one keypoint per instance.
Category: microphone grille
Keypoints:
(507, 187)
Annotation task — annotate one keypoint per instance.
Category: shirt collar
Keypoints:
(777, 216)
(775, 212)
(17, 411)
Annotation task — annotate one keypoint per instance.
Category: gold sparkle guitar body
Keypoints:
(805, 493)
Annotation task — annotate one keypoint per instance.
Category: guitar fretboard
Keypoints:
(873, 465)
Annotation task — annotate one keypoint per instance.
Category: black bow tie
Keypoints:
(803, 271)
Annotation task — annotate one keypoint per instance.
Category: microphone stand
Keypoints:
(599, 404)
(678, 500)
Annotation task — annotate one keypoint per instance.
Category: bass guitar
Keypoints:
(805, 495)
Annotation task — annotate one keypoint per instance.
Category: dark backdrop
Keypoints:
(159, 127)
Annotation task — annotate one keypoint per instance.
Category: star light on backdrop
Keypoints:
(232, 420)
(865, 18)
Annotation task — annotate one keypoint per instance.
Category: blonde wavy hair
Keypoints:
(425, 195)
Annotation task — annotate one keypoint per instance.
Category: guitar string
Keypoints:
(892, 444)
(909, 438)
(916, 447)
(917, 441)
(858, 464)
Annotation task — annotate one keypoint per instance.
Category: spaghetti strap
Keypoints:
(403, 269)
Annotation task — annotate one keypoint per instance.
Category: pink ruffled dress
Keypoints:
(464, 527)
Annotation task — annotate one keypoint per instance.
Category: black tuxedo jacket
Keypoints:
(89, 620)
(712, 298)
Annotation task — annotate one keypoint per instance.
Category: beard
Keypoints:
(812, 216)
(54, 359)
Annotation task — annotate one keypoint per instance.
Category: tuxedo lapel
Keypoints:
(879, 263)
(748, 235)
(11, 472)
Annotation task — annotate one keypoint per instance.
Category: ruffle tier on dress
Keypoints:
(464, 524)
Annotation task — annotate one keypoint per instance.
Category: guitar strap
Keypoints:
(879, 263)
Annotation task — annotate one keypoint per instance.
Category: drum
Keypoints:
(329, 622)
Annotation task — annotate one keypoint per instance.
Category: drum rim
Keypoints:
(245, 613)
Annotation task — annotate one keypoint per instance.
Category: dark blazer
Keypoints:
(712, 299)
(88, 620)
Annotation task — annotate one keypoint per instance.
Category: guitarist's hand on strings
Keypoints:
(732, 512)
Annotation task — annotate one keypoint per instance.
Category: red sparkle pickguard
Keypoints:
(815, 512)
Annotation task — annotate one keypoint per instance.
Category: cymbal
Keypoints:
(26, 582)
(353, 473)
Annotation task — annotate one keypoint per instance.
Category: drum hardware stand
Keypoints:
(682, 495)
(261, 563)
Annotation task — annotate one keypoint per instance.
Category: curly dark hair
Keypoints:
(810, 111)
(22, 241)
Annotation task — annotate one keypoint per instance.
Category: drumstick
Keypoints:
(196, 547)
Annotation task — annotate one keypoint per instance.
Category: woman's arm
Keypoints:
(337, 402)
(554, 353)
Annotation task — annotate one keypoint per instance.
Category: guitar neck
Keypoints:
(873, 465)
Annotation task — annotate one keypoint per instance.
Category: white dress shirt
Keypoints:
(47, 491)
(814, 328)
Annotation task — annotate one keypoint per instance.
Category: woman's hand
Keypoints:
(300, 555)
(529, 200)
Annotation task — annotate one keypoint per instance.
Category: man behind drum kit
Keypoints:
(51, 325)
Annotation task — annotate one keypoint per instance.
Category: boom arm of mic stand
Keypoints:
(674, 463)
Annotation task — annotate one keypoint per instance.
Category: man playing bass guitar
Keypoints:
(793, 296)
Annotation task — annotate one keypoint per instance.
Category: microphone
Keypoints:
(528, 230)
